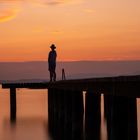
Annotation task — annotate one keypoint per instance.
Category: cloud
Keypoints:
(38, 29)
(8, 10)
(56, 32)
(7, 15)
(54, 2)
(89, 11)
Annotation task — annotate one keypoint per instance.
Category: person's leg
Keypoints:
(54, 76)
(51, 76)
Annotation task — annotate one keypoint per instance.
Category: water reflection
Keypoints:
(31, 123)
(25, 129)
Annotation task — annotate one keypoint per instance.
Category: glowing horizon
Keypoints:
(81, 30)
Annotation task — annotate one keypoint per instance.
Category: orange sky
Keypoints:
(81, 29)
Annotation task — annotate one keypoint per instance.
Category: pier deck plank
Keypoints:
(129, 84)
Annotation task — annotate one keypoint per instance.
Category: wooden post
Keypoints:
(56, 113)
(132, 114)
(12, 104)
(50, 111)
(68, 114)
(73, 122)
(77, 115)
(122, 118)
(51, 114)
(61, 115)
(108, 104)
(92, 116)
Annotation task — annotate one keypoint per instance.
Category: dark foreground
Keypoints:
(66, 107)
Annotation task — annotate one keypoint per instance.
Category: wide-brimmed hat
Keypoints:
(53, 46)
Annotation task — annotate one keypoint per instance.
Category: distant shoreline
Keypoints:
(38, 70)
(69, 61)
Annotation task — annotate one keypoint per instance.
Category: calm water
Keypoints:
(32, 116)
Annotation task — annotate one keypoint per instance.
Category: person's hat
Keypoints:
(53, 46)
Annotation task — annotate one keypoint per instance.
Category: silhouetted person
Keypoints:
(52, 63)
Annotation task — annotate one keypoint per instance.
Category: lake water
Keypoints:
(32, 116)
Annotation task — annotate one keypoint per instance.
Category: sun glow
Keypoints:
(81, 29)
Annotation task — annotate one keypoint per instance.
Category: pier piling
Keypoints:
(121, 118)
(92, 116)
(12, 104)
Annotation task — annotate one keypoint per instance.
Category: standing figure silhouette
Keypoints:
(52, 63)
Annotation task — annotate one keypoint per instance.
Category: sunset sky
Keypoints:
(81, 29)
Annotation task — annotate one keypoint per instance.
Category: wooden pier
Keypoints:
(66, 110)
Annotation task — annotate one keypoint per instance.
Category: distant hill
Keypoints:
(25, 71)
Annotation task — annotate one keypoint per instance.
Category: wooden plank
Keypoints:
(42, 85)
(130, 85)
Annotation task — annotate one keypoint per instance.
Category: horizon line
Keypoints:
(70, 61)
